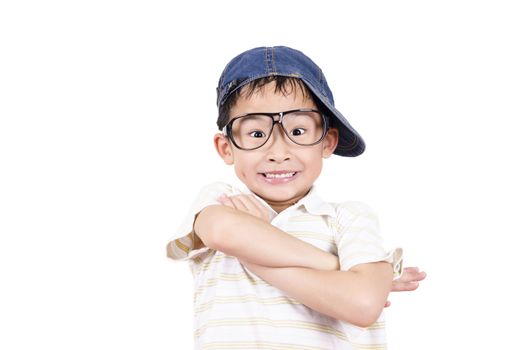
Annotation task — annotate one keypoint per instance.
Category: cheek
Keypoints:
(315, 165)
(314, 159)
(240, 172)
(244, 167)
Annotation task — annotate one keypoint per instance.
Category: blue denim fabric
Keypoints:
(262, 62)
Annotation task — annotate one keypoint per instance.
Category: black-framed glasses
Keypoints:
(305, 127)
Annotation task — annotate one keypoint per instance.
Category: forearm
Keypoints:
(354, 297)
(256, 241)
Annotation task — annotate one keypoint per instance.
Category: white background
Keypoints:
(107, 117)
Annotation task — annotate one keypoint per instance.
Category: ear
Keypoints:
(223, 147)
(330, 142)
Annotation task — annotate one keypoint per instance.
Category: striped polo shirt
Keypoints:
(235, 309)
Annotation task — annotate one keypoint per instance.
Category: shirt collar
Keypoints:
(315, 205)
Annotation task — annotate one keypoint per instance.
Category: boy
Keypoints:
(275, 266)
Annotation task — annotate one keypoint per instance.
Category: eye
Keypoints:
(298, 131)
(256, 134)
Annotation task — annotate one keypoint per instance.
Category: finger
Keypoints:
(404, 287)
(411, 269)
(222, 198)
(256, 203)
(248, 203)
(260, 207)
(227, 202)
(237, 202)
(254, 207)
(419, 276)
(410, 274)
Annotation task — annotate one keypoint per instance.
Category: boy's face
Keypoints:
(280, 172)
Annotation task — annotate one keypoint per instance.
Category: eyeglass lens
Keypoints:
(303, 128)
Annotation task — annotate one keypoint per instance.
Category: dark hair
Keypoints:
(283, 84)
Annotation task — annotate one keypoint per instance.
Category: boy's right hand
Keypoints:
(246, 203)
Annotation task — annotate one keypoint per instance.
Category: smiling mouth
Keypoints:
(279, 175)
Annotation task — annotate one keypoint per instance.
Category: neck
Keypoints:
(280, 206)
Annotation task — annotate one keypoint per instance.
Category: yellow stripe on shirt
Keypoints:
(258, 345)
(249, 298)
(271, 323)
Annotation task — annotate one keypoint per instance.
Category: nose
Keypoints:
(279, 146)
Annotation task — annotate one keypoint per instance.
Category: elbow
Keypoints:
(370, 301)
(366, 314)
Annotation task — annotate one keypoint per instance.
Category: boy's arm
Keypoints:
(253, 239)
(356, 296)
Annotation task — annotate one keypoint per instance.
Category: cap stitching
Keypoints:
(268, 60)
(273, 65)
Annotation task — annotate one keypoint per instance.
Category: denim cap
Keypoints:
(263, 62)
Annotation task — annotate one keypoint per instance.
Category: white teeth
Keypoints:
(279, 176)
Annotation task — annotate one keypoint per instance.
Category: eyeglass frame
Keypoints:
(227, 129)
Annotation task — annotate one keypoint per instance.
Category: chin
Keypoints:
(280, 195)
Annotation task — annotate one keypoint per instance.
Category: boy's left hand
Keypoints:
(408, 281)
(246, 203)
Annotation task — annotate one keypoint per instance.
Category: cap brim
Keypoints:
(350, 143)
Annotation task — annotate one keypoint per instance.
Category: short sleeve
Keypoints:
(358, 238)
(181, 245)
